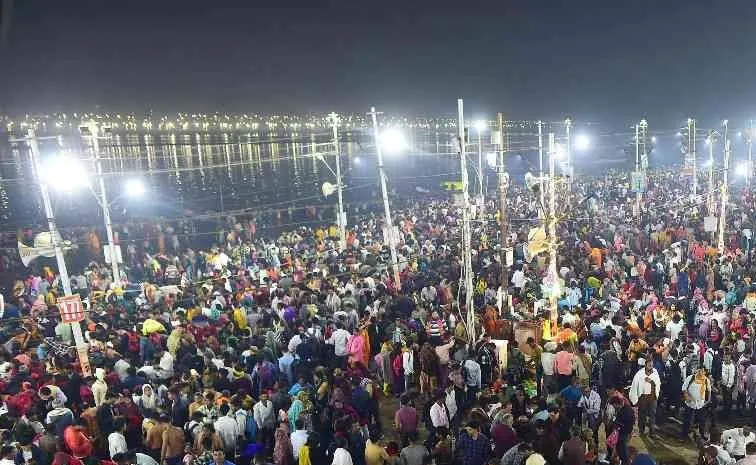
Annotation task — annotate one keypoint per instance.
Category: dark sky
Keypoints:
(593, 59)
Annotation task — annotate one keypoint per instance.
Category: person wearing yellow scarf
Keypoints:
(696, 393)
(701, 380)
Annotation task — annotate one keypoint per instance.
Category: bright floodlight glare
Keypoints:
(64, 173)
(135, 188)
(742, 169)
(582, 142)
(481, 125)
(491, 159)
(707, 141)
(356, 160)
(559, 151)
(653, 139)
(392, 141)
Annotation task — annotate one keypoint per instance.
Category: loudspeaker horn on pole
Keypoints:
(537, 243)
(328, 188)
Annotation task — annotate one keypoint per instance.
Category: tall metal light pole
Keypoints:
(725, 192)
(710, 196)
(692, 152)
(749, 142)
(386, 208)
(466, 233)
(94, 134)
(568, 129)
(540, 164)
(340, 215)
(479, 128)
(65, 281)
(504, 213)
(638, 171)
(552, 270)
(643, 138)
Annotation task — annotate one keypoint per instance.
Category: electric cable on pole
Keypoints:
(388, 222)
(467, 274)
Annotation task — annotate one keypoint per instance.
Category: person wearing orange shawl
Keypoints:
(696, 391)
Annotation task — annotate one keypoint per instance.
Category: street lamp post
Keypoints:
(65, 281)
(540, 164)
(749, 141)
(480, 126)
(637, 169)
(725, 193)
(341, 216)
(568, 129)
(93, 130)
(692, 152)
(466, 233)
(552, 270)
(384, 193)
(710, 197)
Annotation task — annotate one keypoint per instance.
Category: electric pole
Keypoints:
(568, 129)
(692, 152)
(638, 172)
(94, 134)
(480, 165)
(504, 214)
(466, 233)
(340, 215)
(710, 196)
(540, 165)
(749, 142)
(388, 223)
(552, 275)
(725, 193)
(65, 281)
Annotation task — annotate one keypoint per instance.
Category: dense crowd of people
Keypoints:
(294, 350)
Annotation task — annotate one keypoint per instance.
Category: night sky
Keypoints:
(593, 59)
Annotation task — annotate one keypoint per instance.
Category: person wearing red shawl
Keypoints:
(76, 440)
(22, 401)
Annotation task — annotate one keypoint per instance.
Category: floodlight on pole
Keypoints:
(135, 188)
(64, 173)
(480, 126)
(392, 141)
(582, 142)
(742, 169)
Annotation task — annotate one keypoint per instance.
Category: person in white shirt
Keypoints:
(728, 382)
(590, 406)
(165, 366)
(438, 416)
(547, 363)
(298, 437)
(122, 368)
(117, 439)
(263, 414)
(339, 340)
(227, 429)
(644, 392)
(674, 327)
(735, 441)
(518, 278)
(408, 366)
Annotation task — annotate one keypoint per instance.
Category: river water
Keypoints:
(268, 176)
(198, 173)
